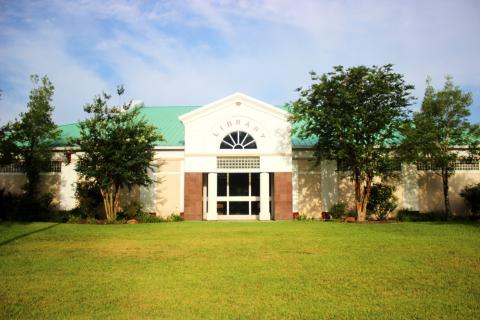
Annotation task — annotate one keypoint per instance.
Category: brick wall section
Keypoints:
(282, 196)
(193, 196)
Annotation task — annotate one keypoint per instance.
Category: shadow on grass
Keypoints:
(23, 235)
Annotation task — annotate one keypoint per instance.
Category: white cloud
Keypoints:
(44, 53)
(192, 52)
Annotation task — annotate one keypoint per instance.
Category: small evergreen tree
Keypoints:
(116, 146)
(30, 138)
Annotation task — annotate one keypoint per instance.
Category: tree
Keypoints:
(382, 201)
(7, 146)
(30, 138)
(116, 146)
(354, 115)
(440, 134)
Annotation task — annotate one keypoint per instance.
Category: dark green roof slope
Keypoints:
(166, 119)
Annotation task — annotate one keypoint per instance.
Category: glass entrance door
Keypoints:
(238, 193)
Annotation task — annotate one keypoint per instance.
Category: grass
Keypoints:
(211, 270)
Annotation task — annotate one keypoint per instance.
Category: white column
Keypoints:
(212, 196)
(204, 198)
(181, 206)
(264, 196)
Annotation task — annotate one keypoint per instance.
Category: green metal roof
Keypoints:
(166, 120)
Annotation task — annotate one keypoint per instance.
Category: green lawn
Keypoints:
(211, 270)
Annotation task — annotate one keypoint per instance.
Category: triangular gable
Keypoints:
(234, 98)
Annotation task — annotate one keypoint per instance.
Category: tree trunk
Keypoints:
(448, 209)
(366, 196)
(358, 200)
(361, 196)
(111, 203)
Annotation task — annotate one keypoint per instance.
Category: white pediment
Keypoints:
(237, 115)
(236, 99)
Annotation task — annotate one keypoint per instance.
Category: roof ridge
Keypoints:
(179, 106)
(68, 124)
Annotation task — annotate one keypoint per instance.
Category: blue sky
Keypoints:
(194, 52)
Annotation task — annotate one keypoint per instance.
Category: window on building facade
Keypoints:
(459, 165)
(342, 166)
(238, 162)
(55, 166)
(238, 140)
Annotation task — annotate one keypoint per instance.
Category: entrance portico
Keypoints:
(234, 195)
(235, 149)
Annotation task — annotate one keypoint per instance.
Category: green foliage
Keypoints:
(144, 217)
(131, 211)
(354, 115)
(352, 213)
(34, 134)
(117, 150)
(471, 195)
(7, 146)
(436, 132)
(22, 207)
(338, 210)
(89, 199)
(406, 215)
(174, 218)
(303, 217)
(381, 201)
(74, 218)
(148, 218)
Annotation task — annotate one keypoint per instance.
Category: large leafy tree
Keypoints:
(440, 133)
(116, 146)
(354, 115)
(30, 138)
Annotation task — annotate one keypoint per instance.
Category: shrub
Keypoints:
(8, 204)
(338, 210)
(132, 211)
(303, 217)
(144, 217)
(381, 201)
(89, 198)
(416, 216)
(74, 219)
(174, 218)
(471, 195)
(352, 213)
(22, 207)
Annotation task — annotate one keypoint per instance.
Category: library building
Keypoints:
(236, 159)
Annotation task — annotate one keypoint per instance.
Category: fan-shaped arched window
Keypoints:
(238, 140)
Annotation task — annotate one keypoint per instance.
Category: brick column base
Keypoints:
(193, 196)
(282, 196)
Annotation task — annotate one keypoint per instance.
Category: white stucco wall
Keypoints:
(206, 127)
